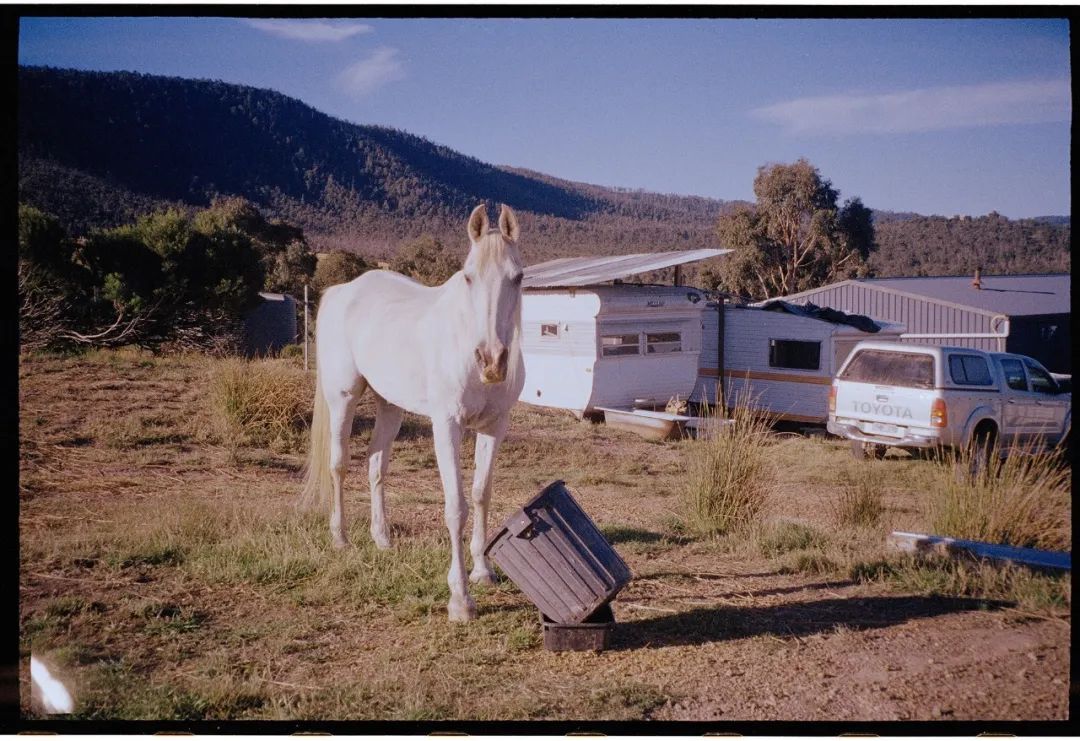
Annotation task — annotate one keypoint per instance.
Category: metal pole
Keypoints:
(720, 400)
(305, 327)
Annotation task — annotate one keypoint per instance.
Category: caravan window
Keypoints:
(797, 354)
(620, 344)
(661, 342)
(549, 330)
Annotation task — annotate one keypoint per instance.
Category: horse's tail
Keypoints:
(318, 485)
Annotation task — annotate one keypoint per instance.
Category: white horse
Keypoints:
(451, 353)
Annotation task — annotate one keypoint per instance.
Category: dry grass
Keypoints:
(169, 586)
(728, 475)
(1023, 501)
(859, 502)
(262, 402)
(939, 575)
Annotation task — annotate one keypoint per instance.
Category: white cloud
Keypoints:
(367, 75)
(309, 30)
(925, 109)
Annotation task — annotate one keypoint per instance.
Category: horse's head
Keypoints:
(492, 275)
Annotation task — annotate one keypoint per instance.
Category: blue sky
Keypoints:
(933, 116)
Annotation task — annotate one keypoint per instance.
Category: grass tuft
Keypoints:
(1023, 501)
(262, 402)
(727, 483)
(945, 576)
(785, 537)
(859, 501)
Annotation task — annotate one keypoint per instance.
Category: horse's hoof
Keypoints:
(340, 544)
(486, 578)
(382, 542)
(461, 611)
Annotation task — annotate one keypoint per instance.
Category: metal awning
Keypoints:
(585, 271)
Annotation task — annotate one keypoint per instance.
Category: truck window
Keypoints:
(797, 354)
(1014, 374)
(969, 370)
(913, 370)
(1041, 381)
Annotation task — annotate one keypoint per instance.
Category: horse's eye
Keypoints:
(468, 279)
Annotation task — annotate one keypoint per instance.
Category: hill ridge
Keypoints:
(97, 148)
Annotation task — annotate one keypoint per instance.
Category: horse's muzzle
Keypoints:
(492, 371)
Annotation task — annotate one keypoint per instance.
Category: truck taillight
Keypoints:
(832, 400)
(939, 416)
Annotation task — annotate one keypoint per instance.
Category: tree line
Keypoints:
(100, 150)
(175, 280)
(798, 236)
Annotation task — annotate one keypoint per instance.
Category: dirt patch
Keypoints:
(168, 577)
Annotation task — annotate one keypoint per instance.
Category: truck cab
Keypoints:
(928, 396)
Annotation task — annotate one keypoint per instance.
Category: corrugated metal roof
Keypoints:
(1012, 295)
(584, 271)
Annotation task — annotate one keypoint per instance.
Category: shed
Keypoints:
(776, 361)
(1026, 314)
(270, 325)
(588, 345)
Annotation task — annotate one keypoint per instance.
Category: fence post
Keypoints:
(305, 327)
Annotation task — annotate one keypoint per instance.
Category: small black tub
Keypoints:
(592, 634)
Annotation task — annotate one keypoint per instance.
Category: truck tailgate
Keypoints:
(884, 410)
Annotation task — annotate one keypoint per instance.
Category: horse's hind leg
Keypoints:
(341, 405)
(387, 423)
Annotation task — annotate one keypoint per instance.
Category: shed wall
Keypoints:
(1046, 338)
(919, 316)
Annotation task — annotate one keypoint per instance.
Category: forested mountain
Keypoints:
(96, 149)
(936, 245)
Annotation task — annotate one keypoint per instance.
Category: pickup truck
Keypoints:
(928, 397)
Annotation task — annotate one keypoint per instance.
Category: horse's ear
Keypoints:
(508, 223)
(478, 223)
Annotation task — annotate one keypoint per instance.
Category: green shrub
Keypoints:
(334, 268)
(292, 351)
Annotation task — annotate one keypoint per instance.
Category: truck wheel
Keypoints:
(983, 449)
(862, 450)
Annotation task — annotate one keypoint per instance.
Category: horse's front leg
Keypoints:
(487, 446)
(447, 435)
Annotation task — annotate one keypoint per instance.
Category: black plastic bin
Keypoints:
(557, 557)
